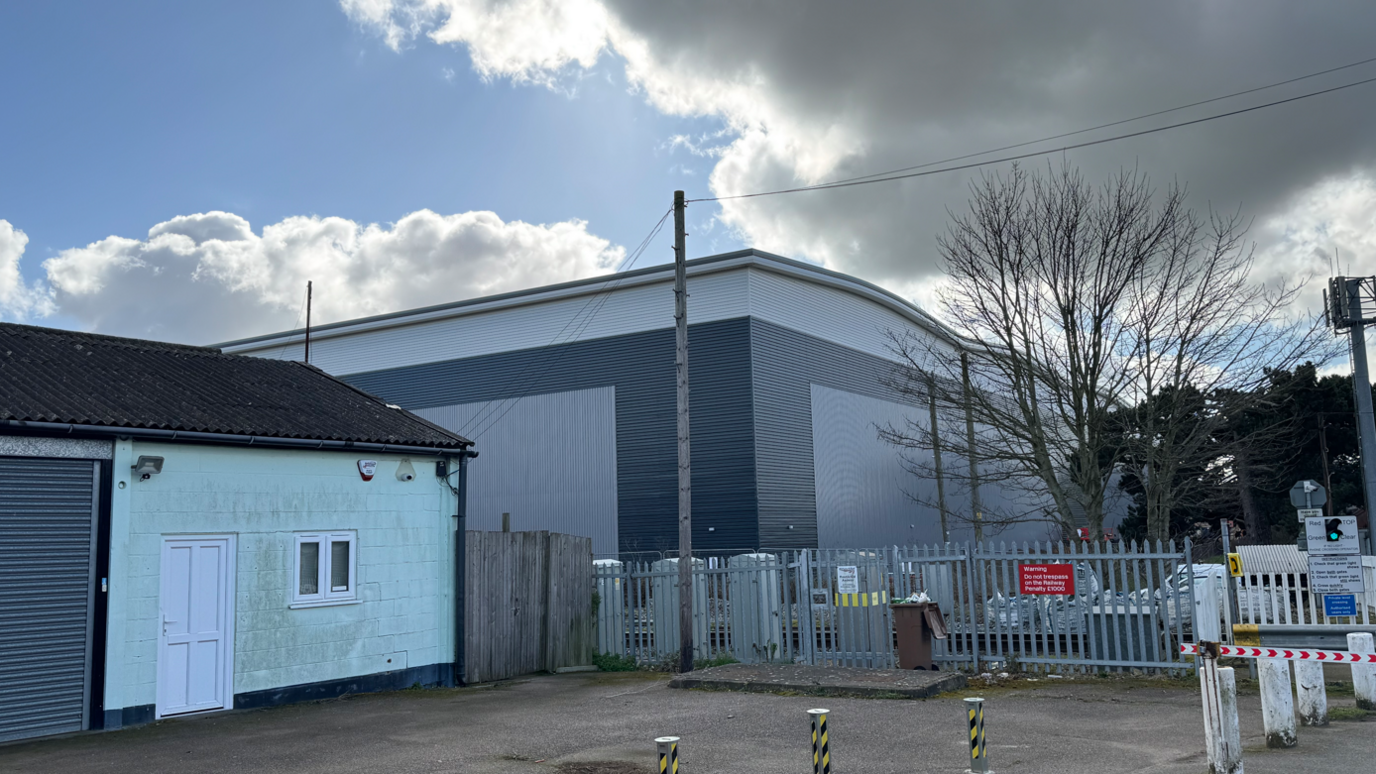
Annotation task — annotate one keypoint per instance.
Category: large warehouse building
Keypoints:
(569, 392)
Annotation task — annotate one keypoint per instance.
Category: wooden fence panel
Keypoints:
(528, 603)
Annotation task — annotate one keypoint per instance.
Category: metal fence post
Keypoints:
(1189, 605)
(821, 752)
(979, 760)
(668, 754)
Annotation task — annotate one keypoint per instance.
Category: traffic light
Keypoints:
(1333, 529)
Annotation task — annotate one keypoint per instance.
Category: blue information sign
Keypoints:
(1338, 605)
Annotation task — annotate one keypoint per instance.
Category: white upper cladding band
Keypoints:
(798, 296)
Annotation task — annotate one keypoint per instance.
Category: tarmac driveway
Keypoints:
(564, 724)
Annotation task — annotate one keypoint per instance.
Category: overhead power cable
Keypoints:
(489, 415)
(883, 177)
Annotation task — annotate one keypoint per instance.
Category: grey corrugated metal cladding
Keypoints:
(640, 366)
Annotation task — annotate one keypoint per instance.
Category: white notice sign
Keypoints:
(1310, 513)
(1336, 575)
(847, 580)
(1316, 532)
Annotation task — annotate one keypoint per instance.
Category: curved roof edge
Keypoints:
(696, 266)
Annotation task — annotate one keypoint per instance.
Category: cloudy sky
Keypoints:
(180, 170)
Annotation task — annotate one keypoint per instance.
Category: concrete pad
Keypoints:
(823, 681)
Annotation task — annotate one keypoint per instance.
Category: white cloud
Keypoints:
(1333, 220)
(18, 299)
(812, 91)
(207, 277)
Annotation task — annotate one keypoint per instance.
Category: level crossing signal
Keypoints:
(1334, 530)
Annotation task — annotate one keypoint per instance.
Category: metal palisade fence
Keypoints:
(1042, 607)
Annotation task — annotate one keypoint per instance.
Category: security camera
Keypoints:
(406, 471)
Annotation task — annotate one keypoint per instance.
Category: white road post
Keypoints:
(1363, 675)
(1277, 703)
(1230, 750)
(1313, 698)
(1210, 695)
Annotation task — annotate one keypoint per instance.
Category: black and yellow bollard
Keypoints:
(821, 752)
(668, 754)
(979, 761)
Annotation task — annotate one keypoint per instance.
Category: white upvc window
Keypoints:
(324, 569)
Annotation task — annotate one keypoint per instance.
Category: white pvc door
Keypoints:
(195, 648)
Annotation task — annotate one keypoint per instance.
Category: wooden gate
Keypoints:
(528, 606)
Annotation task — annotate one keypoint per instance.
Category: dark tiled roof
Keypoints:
(49, 375)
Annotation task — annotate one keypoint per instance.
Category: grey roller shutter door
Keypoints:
(47, 546)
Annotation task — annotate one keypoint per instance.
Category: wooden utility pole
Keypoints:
(308, 321)
(685, 462)
(976, 511)
(936, 459)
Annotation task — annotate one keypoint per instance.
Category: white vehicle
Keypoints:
(1176, 599)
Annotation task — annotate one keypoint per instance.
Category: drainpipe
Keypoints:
(461, 567)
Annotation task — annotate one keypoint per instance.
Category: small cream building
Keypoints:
(184, 531)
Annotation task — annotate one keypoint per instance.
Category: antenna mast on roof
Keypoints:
(308, 321)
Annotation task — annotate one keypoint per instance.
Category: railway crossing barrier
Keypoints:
(1278, 711)
(1289, 654)
(1218, 689)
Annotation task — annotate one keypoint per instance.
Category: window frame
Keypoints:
(325, 596)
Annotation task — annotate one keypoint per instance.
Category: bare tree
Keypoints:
(1078, 306)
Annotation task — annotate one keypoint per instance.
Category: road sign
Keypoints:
(1340, 605)
(1291, 654)
(1309, 513)
(1046, 579)
(1308, 494)
(1329, 537)
(1235, 565)
(1335, 574)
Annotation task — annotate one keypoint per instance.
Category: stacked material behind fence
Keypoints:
(528, 604)
(1131, 606)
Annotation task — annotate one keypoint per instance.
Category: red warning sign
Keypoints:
(1046, 579)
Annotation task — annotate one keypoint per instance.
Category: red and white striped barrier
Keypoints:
(1336, 656)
